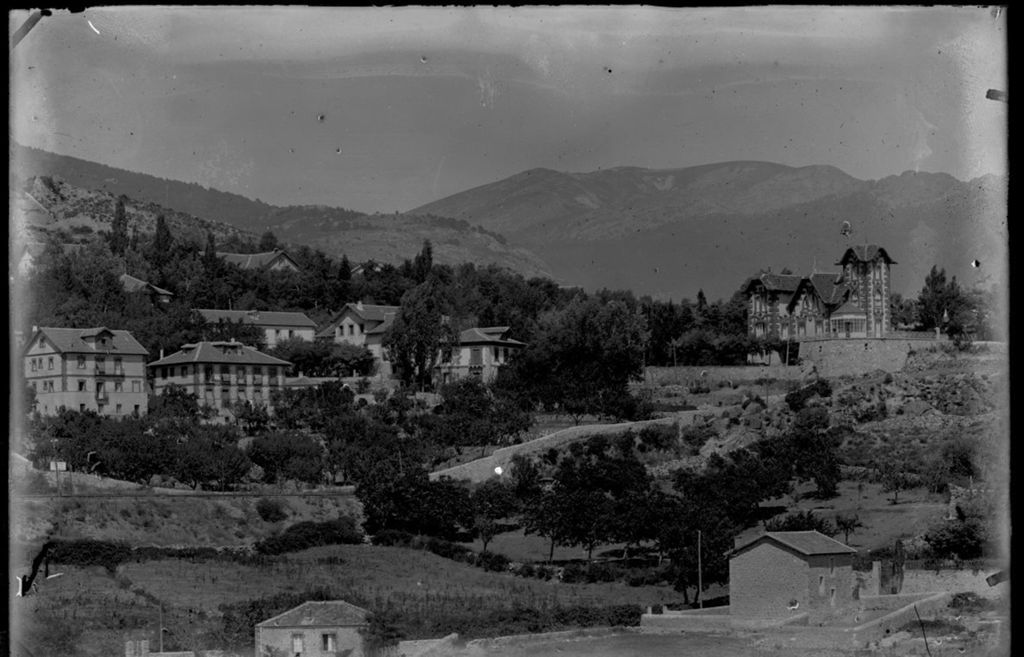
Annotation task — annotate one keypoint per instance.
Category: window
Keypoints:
(101, 364)
(136, 411)
(831, 566)
(117, 409)
(136, 386)
(362, 328)
(297, 644)
(81, 408)
(821, 585)
(81, 362)
(118, 386)
(49, 363)
(184, 370)
(351, 329)
(163, 372)
(291, 333)
(118, 365)
(329, 642)
(81, 386)
(33, 362)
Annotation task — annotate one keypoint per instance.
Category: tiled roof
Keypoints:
(330, 613)
(487, 335)
(72, 340)
(371, 311)
(865, 253)
(255, 260)
(367, 313)
(258, 317)
(231, 353)
(775, 282)
(382, 327)
(829, 288)
(848, 308)
(132, 284)
(807, 543)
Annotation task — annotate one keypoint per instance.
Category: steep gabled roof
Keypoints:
(807, 543)
(367, 312)
(132, 284)
(257, 260)
(329, 613)
(258, 317)
(72, 340)
(774, 282)
(227, 353)
(372, 312)
(849, 308)
(382, 327)
(830, 287)
(488, 335)
(865, 253)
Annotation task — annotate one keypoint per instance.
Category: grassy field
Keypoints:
(113, 607)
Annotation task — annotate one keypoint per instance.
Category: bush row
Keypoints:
(307, 534)
(111, 554)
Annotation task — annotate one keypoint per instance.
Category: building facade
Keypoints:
(781, 574)
(221, 374)
(95, 369)
(363, 325)
(313, 629)
(850, 303)
(276, 326)
(480, 353)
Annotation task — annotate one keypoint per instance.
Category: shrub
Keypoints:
(492, 561)
(574, 573)
(87, 552)
(658, 436)
(309, 534)
(797, 399)
(393, 537)
(526, 570)
(270, 510)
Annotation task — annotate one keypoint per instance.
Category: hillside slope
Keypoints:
(192, 210)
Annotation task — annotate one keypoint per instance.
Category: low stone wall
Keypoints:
(715, 619)
(684, 374)
(858, 356)
(427, 647)
(953, 581)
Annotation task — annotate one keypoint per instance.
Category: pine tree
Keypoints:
(268, 242)
(210, 254)
(163, 242)
(119, 228)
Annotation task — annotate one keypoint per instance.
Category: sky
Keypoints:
(386, 109)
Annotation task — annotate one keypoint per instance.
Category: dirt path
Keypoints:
(483, 468)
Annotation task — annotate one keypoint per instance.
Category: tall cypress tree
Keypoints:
(119, 228)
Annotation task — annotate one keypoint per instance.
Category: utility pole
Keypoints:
(700, 574)
(161, 627)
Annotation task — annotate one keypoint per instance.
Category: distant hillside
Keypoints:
(671, 232)
(77, 213)
(188, 198)
(192, 209)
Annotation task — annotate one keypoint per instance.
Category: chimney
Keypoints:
(359, 305)
(161, 353)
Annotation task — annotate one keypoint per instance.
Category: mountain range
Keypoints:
(665, 232)
(671, 232)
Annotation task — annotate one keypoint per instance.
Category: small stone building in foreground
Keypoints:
(313, 629)
(778, 575)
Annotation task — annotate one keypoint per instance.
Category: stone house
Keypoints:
(313, 629)
(276, 326)
(778, 575)
(220, 374)
(362, 325)
(481, 351)
(97, 369)
(850, 303)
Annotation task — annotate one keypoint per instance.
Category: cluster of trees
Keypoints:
(964, 314)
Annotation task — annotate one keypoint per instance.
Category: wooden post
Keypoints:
(700, 575)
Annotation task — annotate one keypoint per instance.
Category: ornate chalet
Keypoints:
(851, 303)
